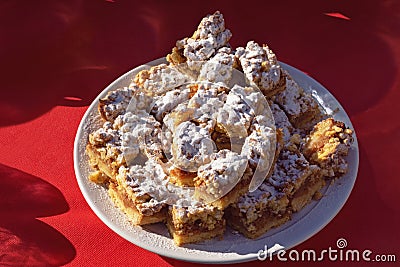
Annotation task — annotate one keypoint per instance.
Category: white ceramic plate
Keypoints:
(234, 247)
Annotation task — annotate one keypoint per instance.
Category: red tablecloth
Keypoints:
(56, 56)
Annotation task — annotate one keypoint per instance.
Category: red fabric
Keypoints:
(56, 56)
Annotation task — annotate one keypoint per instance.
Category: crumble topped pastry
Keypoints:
(189, 225)
(219, 68)
(260, 66)
(168, 102)
(190, 144)
(115, 103)
(134, 184)
(159, 79)
(290, 172)
(292, 185)
(210, 35)
(104, 151)
(282, 122)
(327, 145)
(257, 212)
(301, 108)
(219, 176)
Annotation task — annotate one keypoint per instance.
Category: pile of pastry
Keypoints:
(215, 136)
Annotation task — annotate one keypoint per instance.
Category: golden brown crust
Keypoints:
(176, 56)
(114, 103)
(301, 108)
(255, 229)
(99, 161)
(306, 192)
(259, 64)
(187, 225)
(182, 178)
(180, 238)
(232, 196)
(327, 145)
(136, 215)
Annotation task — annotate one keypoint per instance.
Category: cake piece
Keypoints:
(195, 223)
(282, 122)
(146, 212)
(159, 79)
(291, 170)
(104, 151)
(134, 192)
(309, 190)
(210, 36)
(295, 176)
(220, 68)
(301, 108)
(128, 140)
(115, 103)
(260, 66)
(292, 185)
(327, 145)
(257, 212)
(218, 178)
(192, 146)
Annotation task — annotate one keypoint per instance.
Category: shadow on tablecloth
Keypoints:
(25, 240)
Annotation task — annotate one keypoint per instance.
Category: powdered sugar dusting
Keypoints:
(211, 35)
(259, 65)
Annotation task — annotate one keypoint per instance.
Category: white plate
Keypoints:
(234, 247)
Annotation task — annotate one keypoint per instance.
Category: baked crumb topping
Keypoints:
(218, 177)
(327, 145)
(192, 146)
(219, 68)
(204, 217)
(290, 171)
(301, 108)
(115, 103)
(210, 35)
(260, 66)
(160, 79)
(282, 122)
